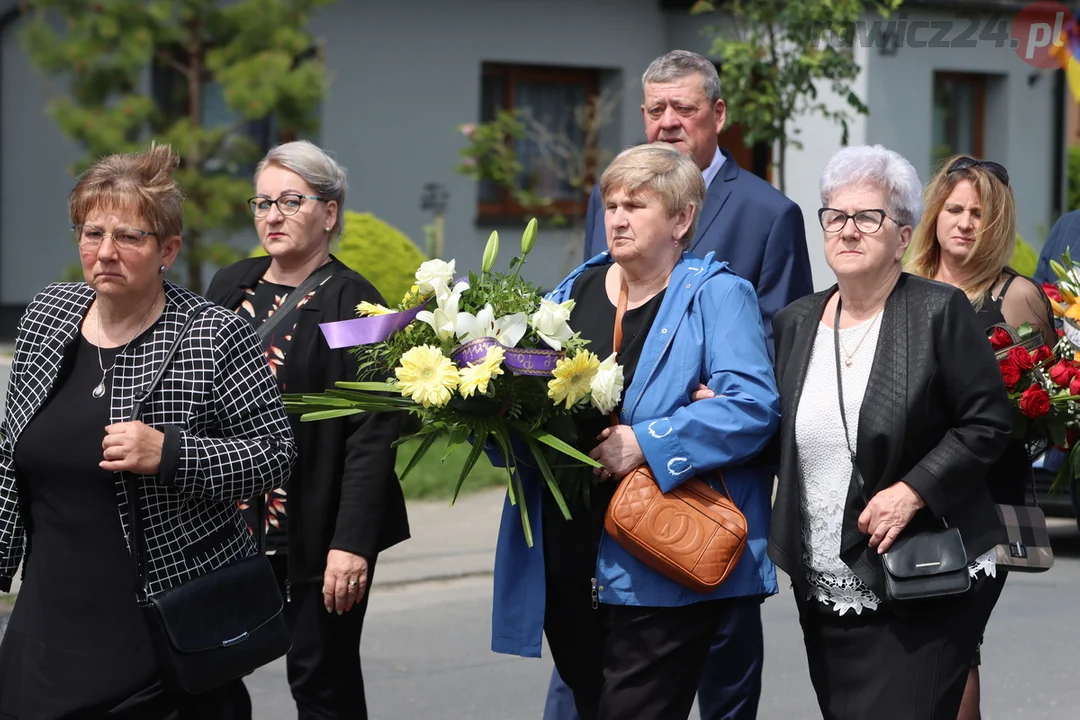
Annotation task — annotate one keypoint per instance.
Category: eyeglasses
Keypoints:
(286, 204)
(124, 238)
(996, 169)
(867, 222)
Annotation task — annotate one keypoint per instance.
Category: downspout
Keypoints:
(1060, 145)
(8, 17)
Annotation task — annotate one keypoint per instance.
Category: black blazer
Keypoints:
(935, 415)
(344, 493)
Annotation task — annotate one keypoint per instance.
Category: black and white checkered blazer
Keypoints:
(227, 436)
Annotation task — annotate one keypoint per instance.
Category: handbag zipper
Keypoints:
(595, 595)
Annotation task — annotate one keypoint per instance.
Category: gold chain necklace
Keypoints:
(850, 355)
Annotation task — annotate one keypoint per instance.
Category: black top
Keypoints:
(259, 303)
(343, 492)
(76, 635)
(570, 548)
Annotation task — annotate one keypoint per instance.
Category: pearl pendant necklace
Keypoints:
(99, 391)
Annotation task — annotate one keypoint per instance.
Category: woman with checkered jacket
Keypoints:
(212, 432)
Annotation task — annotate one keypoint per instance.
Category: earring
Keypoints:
(161, 270)
(676, 243)
(327, 229)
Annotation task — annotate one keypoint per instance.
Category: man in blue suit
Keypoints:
(760, 233)
(746, 221)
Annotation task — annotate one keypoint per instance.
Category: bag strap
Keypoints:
(137, 540)
(288, 305)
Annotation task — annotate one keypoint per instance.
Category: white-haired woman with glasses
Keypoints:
(904, 362)
(343, 505)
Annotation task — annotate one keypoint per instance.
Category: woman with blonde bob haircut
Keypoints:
(966, 239)
(628, 641)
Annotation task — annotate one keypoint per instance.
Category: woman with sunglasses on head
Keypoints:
(966, 239)
(344, 504)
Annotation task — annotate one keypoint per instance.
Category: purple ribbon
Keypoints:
(366, 330)
(521, 361)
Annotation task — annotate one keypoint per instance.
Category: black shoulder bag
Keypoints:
(214, 628)
(919, 565)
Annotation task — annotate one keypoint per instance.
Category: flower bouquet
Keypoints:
(484, 360)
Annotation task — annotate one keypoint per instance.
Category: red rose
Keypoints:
(1041, 355)
(1052, 292)
(1022, 358)
(1062, 373)
(1074, 386)
(1034, 402)
(1009, 373)
(1060, 332)
(1000, 339)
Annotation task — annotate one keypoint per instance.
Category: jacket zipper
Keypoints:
(595, 595)
(288, 590)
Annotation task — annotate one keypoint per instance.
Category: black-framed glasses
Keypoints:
(288, 204)
(996, 169)
(867, 221)
(124, 238)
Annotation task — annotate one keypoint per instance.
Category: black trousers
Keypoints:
(323, 665)
(623, 661)
(910, 662)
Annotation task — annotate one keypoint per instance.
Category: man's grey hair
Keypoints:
(678, 64)
(878, 167)
(314, 167)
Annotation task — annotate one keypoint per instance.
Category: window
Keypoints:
(551, 95)
(958, 111)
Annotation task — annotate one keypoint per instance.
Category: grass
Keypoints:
(432, 479)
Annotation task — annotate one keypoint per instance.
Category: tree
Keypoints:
(774, 52)
(253, 56)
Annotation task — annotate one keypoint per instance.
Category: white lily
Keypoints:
(551, 322)
(508, 330)
(444, 319)
(434, 275)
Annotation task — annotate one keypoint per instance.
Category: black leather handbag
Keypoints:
(921, 565)
(214, 628)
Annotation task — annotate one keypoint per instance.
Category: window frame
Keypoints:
(506, 208)
(978, 131)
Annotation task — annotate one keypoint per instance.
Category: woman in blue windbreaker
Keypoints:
(628, 641)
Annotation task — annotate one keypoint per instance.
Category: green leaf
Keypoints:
(420, 451)
(368, 386)
(557, 444)
(1057, 434)
(328, 414)
(474, 455)
(545, 470)
(517, 492)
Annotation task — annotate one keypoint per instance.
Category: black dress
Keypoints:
(76, 644)
(571, 547)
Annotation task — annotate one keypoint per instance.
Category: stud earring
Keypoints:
(327, 229)
(161, 270)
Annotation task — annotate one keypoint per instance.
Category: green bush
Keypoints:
(1024, 259)
(378, 251)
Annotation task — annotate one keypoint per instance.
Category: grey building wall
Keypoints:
(406, 74)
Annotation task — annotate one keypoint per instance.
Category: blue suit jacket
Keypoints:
(750, 225)
(1064, 236)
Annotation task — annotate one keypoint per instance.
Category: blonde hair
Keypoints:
(658, 170)
(141, 183)
(995, 239)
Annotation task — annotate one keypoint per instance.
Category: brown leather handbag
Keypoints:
(692, 534)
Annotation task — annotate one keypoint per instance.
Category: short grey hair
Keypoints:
(658, 170)
(678, 64)
(316, 168)
(879, 167)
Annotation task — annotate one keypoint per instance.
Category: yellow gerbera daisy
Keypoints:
(365, 309)
(572, 378)
(427, 376)
(475, 378)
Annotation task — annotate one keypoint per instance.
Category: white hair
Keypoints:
(316, 168)
(879, 167)
(679, 64)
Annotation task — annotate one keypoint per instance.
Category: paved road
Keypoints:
(426, 655)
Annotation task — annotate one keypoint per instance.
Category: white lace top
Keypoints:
(825, 464)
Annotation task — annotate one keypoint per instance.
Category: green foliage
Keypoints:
(490, 155)
(1073, 189)
(1024, 259)
(775, 54)
(379, 252)
(255, 53)
(435, 475)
